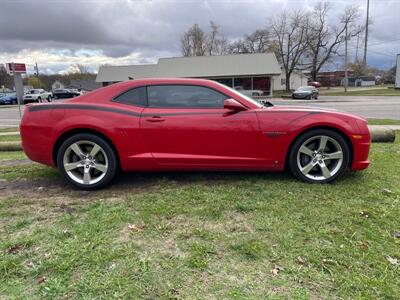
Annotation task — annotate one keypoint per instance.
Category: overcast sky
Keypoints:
(56, 34)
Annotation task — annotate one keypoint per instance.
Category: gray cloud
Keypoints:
(153, 28)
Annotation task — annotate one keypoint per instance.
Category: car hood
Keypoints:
(310, 109)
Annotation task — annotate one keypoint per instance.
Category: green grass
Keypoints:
(10, 138)
(367, 92)
(383, 122)
(278, 94)
(12, 155)
(205, 235)
(9, 129)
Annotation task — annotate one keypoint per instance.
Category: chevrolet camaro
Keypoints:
(189, 124)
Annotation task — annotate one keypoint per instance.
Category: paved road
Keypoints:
(380, 107)
(369, 107)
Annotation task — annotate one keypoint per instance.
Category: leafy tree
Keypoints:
(6, 80)
(35, 82)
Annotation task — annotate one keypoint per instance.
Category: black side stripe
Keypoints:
(115, 110)
(83, 106)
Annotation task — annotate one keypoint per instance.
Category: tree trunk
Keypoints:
(288, 82)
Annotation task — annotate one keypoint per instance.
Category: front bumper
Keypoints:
(361, 151)
(300, 96)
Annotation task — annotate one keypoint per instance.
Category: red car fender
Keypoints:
(91, 124)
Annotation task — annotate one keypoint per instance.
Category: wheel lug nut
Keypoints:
(320, 161)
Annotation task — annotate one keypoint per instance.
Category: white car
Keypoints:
(251, 93)
(37, 95)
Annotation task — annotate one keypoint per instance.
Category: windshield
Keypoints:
(259, 104)
(34, 92)
(305, 88)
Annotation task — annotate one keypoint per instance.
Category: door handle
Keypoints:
(155, 119)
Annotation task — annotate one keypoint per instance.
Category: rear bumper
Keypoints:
(36, 144)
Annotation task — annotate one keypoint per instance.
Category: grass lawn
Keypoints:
(9, 129)
(363, 92)
(12, 155)
(202, 235)
(10, 138)
(383, 122)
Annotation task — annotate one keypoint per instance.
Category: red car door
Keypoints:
(187, 125)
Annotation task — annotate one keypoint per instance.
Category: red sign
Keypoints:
(13, 68)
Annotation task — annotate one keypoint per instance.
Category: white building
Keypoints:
(246, 71)
(57, 85)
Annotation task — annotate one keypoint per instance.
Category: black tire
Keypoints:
(39, 100)
(309, 97)
(108, 150)
(293, 151)
(49, 98)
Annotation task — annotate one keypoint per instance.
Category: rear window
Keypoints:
(136, 97)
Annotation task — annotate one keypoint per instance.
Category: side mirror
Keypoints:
(232, 104)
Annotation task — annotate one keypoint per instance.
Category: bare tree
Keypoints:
(193, 42)
(217, 44)
(256, 42)
(289, 31)
(323, 41)
(82, 68)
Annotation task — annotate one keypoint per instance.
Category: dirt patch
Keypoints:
(15, 162)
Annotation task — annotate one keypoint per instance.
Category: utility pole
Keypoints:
(37, 70)
(346, 80)
(364, 64)
(358, 39)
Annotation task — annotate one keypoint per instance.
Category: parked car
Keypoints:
(65, 93)
(251, 93)
(9, 99)
(144, 125)
(315, 84)
(37, 95)
(306, 92)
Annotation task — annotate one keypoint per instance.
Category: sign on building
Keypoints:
(15, 68)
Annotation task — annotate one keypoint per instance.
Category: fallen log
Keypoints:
(381, 134)
(10, 146)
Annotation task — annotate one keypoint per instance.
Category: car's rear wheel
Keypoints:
(319, 156)
(87, 161)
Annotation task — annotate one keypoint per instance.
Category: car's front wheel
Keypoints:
(87, 161)
(319, 156)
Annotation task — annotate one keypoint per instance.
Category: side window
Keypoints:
(184, 96)
(136, 96)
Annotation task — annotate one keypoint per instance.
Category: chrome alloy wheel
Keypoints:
(320, 157)
(85, 162)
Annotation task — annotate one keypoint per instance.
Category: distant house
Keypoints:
(84, 85)
(333, 78)
(360, 81)
(57, 85)
(297, 79)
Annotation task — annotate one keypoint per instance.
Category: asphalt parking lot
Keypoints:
(380, 107)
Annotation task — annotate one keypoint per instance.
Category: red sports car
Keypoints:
(188, 124)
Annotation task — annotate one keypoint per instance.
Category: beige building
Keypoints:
(259, 74)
